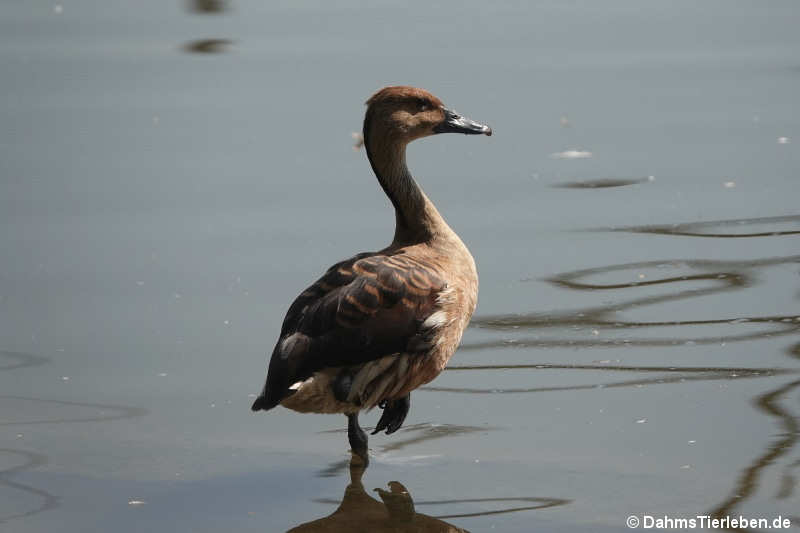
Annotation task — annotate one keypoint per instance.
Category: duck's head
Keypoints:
(402, 114)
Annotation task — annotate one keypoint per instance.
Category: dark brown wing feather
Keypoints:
(361, 309)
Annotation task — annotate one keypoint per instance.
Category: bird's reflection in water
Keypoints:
(395, 509)
(359, 511)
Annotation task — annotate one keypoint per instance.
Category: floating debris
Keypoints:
(572, 154)
(691, 442)
(359, 140)
(686, 467)
(162, 374)
(136, 502)
(783, 140)
(207, 46)
(729, 184)
(64, 378)
(641, 421)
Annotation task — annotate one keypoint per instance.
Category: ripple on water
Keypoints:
(599, 183)
(725, 229)
(397, 511)
(652, 283)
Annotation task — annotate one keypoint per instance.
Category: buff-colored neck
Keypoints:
(417, 219)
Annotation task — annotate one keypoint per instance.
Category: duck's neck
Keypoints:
(416, 218)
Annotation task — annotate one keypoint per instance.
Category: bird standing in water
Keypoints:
(378, 325)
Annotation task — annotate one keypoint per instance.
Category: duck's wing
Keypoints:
(361, 309)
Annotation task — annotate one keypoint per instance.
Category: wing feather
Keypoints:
(361, 309)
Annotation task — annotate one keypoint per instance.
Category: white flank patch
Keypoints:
(437, 319)
(446, 296)
(297, 385)
(572, 154)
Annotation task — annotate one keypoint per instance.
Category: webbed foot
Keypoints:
(394, 414)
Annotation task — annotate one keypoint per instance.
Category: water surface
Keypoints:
(172, 175)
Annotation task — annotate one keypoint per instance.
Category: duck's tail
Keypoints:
(276, 387)
(262, 403)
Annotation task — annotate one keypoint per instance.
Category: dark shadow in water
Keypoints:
(599, 183)
(207, 46)
(700, 229)
(32, 460)
(209, 7)
(396, 510)
(22, 360)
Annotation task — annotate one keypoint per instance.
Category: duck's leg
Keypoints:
(394, 414)
(357, 438)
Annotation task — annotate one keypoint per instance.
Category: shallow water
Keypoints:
(172, 175)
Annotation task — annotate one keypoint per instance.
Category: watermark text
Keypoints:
(647, 521)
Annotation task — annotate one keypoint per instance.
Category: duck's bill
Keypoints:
(455, 123)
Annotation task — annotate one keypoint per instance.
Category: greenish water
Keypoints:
(172, 175)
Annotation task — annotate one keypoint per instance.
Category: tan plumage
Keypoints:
(378, 325)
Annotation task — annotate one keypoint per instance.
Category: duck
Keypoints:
(380, 324)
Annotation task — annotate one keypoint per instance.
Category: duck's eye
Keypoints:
(423, 105)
